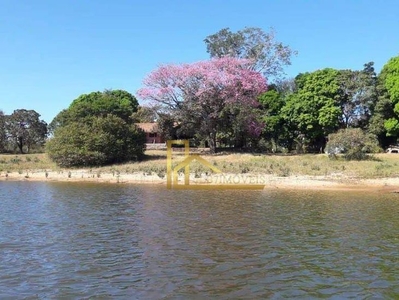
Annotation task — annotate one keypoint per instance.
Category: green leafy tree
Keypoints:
(313, 110)
(25, 130)
(358, 96)
(268, 55)
(116, 102)
(390, 79)
(97, 129)
(383, 111)
(275, 131)
(61, 119)
(104, 140)
(233, 129)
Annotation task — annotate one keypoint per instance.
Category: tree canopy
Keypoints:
(358, 96)
(313, 110)
(237, 98)
(390, 80)
(199, 95)
(24, 129)
(97, 104)
(267, 55)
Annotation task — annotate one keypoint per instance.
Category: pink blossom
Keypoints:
(227, 79)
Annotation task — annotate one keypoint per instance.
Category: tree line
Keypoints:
(296, 114)
(238, 98)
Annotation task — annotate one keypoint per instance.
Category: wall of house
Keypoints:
(153, 138)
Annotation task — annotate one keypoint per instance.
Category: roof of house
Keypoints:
(148, 127)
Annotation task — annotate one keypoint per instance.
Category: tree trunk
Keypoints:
(20, 145)
(212, 142)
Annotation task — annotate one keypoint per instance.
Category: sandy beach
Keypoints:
(269, 181)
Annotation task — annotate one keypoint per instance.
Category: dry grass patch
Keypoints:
(25, 162)
(381, 166)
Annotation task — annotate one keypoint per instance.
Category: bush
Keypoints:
(353, 143)
(98, 141)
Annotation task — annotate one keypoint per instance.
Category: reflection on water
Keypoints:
(62, 240)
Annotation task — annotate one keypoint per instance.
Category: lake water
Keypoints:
(99, 241)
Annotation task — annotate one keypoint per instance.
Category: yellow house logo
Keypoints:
(172, 174)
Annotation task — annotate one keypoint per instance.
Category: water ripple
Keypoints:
(84, 241)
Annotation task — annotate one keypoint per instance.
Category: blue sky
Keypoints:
(52, 51)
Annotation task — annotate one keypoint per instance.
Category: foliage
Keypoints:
(313, 111)
(275, 128)
(61, 119)
(354, 143)
(144, 114)
(201, 95)
(268, 55)
(391, 70)
(390, 80)
(25, 130)
(358, 96)
(97, 129)
(383, 112)
(117, 102)
(104, 140)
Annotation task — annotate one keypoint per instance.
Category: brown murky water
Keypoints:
(60, 240)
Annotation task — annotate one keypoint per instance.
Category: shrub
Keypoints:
(99, 141)
(353, 143)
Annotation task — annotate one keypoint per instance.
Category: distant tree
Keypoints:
(197, 94)
(25, 129)
(267, 55)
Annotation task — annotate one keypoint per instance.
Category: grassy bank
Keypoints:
(381, 166)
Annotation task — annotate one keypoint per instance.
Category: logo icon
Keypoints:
(229, 181)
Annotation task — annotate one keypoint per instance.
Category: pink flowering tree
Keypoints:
(200, 94)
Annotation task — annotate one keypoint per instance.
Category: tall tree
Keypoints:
(314, 109)
(267, 55)
(25, 129)
(390, 79)
(358, 96)
(276, 128)
(383, 111)
(197, 94)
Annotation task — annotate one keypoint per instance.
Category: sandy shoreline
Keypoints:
(269, 181)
